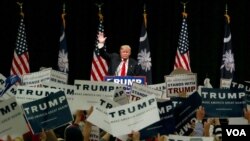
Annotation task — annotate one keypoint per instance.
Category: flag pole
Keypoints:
(182, 58)
(99, 64)
(145, 15)
(184, 13)
(21, 54)
(21, 8)
(64, 8)
(63, 15)
(226, 14)
(100, 11)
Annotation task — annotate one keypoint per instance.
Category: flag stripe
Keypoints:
(93, 73)
(181, 61)
(20, 61)
(24, 60)
(102, 64)
(96, 67)
(13, 70)
(182, 55)
(93, 77)
(97, 63)
(17, 64)
(177, 59)
(96, 73)
(99, 67)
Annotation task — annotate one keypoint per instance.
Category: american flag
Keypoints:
(182, 54)
(99, 67)
(20, 62)
(63, 64)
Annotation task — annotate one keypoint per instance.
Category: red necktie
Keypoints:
(123, 69)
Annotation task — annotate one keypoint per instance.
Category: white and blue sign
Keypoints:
(223, 103)
(47, 113)
(126, 80)
(165, 126)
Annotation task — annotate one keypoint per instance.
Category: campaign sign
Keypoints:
(47, 113)
(223, 103)
(124, 119)
(87, 93)
(246, 87)
(2, 81)
(139, 91)
(9, 93)
(10, 81)
(35, 79)
(176, 101)
(12, 121)
(134, 116)
(165, 126)
(120, 96)
(126, 80)
(181, 84)
(241, 85)
(185, 113)
(26, 94)
(68, 90)
(160, 87)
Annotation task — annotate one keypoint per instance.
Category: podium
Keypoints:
(126, 80)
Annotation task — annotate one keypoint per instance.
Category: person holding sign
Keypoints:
(119, 64)
(203, 127)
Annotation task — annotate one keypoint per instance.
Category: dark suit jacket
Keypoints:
(114, 60)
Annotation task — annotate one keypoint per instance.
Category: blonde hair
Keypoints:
(125, 47)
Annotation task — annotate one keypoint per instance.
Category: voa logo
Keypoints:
(236, 132)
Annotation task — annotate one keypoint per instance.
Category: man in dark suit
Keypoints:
(117, 62)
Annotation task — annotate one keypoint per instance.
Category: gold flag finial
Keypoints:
(63, 15)
(226, 14)
(100, 11)
(184, 13)
(145, 15)
(21, 8)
